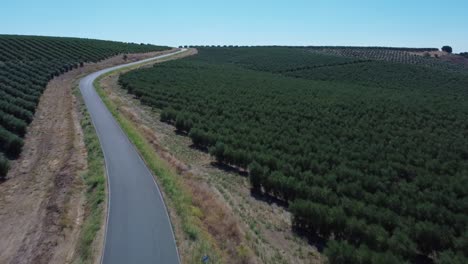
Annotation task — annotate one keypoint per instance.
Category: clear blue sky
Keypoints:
(410, 23)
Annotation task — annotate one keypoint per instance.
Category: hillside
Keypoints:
(369, 153)
(27, 64)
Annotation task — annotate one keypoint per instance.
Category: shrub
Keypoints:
(339, 252)
(447, 49)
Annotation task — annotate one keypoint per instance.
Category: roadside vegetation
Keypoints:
(371, 156)
(95, 181)
(27, 64)
(176, 195)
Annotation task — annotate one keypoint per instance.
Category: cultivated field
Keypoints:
(263, 154)
(52, 202)
(27, 64)
(370, 155)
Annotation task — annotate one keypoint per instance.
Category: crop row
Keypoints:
(377, 165)
(404, 56)
(27, 63)
(274, 47)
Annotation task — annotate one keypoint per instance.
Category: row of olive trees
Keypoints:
(335, 161)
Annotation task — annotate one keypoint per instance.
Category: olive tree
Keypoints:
(447, 49)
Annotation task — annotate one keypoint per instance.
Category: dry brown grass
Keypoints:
(220, 222)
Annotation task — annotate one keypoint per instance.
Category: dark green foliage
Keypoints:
(402, 245)
(168, 115)
(390, 76)
(430, 237)
(10, 144)
(447, 49)
(12, 124)
(27, 63)
(201, 138)
(372, 154)
(15, 110)
(183, 123)
(4, 166)
(285, 59)
(219, 151)
(341, 253)
(462, 243)
(256, 174)
(450, 257)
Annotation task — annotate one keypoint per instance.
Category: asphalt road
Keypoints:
(138, 226)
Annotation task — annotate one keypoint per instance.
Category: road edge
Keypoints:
(123, 67)
(194, 241)
(91, 138)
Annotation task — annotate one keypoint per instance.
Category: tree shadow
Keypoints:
(313, 239)
(199, 148)
(229, 168)
(422, 259)
(181, 133)
(268, 198)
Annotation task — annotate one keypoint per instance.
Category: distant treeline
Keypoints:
(314, 47)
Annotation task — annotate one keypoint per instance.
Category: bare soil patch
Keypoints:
(240, 223)
(444, 56)
(42, 201)
(434, 54)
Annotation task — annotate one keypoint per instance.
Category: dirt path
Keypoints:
(41, 203)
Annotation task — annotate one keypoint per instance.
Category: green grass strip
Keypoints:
(95, 181)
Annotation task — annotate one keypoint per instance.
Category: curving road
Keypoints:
(138, 226)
